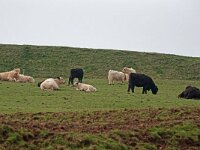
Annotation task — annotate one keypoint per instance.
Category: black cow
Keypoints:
(76, 73)
(141, 80)
(190, 93)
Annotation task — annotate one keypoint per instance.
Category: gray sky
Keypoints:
(164, 26)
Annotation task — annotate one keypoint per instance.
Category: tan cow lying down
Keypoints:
(115, 76)
(51, 83)
(84, 87)
(24, 78)
(10, 75)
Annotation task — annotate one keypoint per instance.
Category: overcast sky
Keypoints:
(163, 26)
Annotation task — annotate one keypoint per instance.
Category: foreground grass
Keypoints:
(20, 97)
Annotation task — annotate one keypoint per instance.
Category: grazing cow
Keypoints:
(10, 75)
(190, 93)
(115, 76)
(51, 83)
(24, 78)
(84, 87)
(141, 80)
(76, 73)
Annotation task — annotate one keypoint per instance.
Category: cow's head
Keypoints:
(60, 80)
(31, 80)
(124, 70)
(154, 90)
(76, 84)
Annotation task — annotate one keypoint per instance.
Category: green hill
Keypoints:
(51, 61)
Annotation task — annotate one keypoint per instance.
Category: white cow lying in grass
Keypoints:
(24, 78)
(51, 83)
(115, 76)
(84, 87)
(10, 75)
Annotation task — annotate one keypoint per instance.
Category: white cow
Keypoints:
(115, 76)
(10, 75)
(127, 71)
(51, 83)
(24, 78)
(84, 87)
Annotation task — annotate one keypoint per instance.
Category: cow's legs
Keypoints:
(144, 91)
(110, 81)
(69, 81)
(72, 81)
(131, 87)
(80, 80)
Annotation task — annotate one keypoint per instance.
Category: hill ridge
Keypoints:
(52, 61)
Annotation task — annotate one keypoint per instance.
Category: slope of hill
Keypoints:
(51, 61)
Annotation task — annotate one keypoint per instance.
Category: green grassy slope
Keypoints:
(48, 61)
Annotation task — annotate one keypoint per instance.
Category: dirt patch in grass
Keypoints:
(159, 128)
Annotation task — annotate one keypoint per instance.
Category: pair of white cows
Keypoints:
(119, 75)
(53, 84)
(14, 75)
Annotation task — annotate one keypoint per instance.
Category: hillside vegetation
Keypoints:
(48, 61)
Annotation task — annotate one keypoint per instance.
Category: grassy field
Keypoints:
(20, 97)
(107, 119)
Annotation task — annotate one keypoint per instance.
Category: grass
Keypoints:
(20, 97)
(51, 61)
(107, 119)
(176, 135)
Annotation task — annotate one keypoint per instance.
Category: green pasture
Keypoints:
(130, 126)
(27, 97)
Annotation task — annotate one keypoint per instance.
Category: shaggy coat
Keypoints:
(190, 93)
(84, 87)
(10, 75)
(115, 76)
(127, 72)
(141, 80)
(24, 78)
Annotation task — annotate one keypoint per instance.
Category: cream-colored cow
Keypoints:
(10, 75)
(51, 83)
(24, 78)
(115, 76)
(84, 87)
(127, 71)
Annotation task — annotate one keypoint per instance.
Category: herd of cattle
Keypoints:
(127, 74)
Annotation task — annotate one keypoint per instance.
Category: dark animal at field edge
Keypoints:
(190, 93)
(141, 80)
(76, 73)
